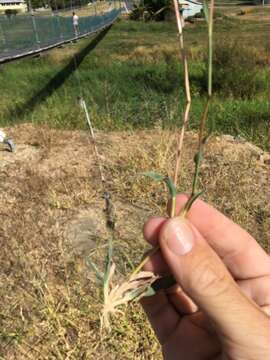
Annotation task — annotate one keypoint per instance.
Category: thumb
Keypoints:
(204, 277)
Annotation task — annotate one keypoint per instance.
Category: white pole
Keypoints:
(83, 105)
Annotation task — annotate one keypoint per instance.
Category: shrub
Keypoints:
(241, 13)
(11, 12)
(137, 12)
(163, 78)
(235, 70)
(255, 119)
(190, 19)
(150, 10)
(199, 15)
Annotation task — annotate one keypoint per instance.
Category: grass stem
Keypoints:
(187, 91)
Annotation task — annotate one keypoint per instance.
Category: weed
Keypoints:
(233, 60)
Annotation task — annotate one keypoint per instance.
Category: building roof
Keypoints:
(187, 2)
(11, 1)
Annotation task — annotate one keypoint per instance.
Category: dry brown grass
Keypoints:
(52, 216)
(58, 55)
(261, 13)
(162, 52)
(95, 8)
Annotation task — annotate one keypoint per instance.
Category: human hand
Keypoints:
(221, 307)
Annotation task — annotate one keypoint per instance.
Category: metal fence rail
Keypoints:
(25, 35)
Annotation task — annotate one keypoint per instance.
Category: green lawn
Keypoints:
(133, 79)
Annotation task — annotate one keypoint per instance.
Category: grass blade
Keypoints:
(155, 176)
(99, 274)
(158, 177)
(205, 11)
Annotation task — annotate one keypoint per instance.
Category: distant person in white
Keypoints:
(75, 22)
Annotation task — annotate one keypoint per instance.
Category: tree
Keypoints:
(151, 10)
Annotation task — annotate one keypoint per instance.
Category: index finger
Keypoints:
(241, 253)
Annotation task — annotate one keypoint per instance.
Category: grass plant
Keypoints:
(140, 283)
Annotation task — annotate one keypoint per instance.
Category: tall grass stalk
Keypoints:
(210, 48)
(202, 138)
(187, 94)
(140, 283)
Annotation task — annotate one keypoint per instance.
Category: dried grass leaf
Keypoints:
(131, 290)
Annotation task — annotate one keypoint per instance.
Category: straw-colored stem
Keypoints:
(202, 138)
(173, 207)
(187, 91)
(144, 261)
(199, 154)
(186, 117)
(210, 48)
(182, 131)
(181, 141)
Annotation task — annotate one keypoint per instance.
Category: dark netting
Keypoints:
(26, 34)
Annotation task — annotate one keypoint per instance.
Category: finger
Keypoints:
(152, 228)
(240, 252)
(266, 310)
(203, 276)
(191, 340)
(257, 289)
(187, 334)
(177, 297)
(161, 314)
(157, 265)
(181, 301)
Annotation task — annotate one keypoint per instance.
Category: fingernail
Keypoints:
(178, 236)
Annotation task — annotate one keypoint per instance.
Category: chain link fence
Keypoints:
(23, 35)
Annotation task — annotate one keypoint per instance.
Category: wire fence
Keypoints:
(23, 35)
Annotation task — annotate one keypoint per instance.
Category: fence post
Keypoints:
(34, 25)
(59, 25)
(3, 34)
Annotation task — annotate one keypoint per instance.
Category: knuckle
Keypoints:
(209, 278)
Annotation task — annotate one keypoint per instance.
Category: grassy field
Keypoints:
(132, 79)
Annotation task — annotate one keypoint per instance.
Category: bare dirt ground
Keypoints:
(52, 217)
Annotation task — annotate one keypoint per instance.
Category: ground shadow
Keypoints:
(57, 81)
